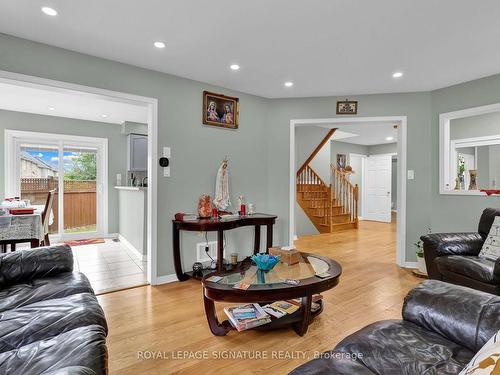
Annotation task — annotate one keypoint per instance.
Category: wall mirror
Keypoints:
(470, 151)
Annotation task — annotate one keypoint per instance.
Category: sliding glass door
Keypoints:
(80, 189)
(39, 174)
(73, 166)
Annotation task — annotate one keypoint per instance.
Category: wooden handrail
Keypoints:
(316, 150)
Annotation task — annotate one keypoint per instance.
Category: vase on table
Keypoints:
(473, 181)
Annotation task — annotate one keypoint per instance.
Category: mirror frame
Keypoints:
(444, 146)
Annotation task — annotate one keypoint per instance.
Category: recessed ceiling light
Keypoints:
(51, 108)
(234, 67)
(49, 11)
(159, 45)
(288, 84)
(397, 75)
(389, 138)
(104, 115)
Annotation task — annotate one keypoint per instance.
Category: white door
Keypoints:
(378, 188)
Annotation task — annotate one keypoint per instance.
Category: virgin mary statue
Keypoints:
(221, 200)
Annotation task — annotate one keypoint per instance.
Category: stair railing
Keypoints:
(344, 193)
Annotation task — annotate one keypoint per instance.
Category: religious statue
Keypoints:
(222, 200)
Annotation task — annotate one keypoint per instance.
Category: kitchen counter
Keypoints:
(131, 188)
(132, 222)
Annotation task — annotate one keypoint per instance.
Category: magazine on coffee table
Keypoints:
(247, 316)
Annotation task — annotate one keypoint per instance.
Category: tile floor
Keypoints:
(109, 266)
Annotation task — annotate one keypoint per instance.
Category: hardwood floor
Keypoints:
(169, 319)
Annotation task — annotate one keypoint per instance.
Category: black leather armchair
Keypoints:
(453, 257)
(443, 326)
(50, 320)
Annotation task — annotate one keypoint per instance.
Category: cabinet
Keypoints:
(137, 153)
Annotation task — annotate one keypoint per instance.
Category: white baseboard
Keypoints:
(166, 279)
(133, 250)
(410, 265)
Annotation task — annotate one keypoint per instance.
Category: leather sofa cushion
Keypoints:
(471, 266)
(21, 266)
(486, 221)
(393, 347)
(71, 370)
(49, 318)
(62, 285)
(83, 347)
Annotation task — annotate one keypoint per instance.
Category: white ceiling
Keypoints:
(326, 47)
(364, 133)
(68, 104)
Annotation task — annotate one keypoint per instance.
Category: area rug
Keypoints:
(91, 241)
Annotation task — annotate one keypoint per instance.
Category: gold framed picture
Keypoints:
(220, 110)
(347, 107)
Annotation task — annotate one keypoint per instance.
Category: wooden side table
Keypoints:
(219, 226)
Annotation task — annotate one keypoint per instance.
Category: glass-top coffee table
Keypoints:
(269, 287)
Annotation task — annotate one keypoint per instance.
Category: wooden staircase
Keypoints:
(330, 207)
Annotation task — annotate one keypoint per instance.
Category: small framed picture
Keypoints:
(220, 110)
(347, 107)
(341, 161)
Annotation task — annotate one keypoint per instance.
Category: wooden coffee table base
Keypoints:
(299, 320)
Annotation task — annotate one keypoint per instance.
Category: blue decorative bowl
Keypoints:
(265, 262)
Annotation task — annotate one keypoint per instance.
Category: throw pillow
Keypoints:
(491, 247)
(487, 359)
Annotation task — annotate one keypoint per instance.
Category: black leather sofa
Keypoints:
(50, 320)
(443, 326)
(453, 257)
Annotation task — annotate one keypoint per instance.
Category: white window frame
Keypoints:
(446, 184)
(13, 141)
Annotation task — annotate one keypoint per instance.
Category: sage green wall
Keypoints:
(117, 158)
(259, 150)
(416, 106)
(197, 150)
(458, 213)
(475, 126)
(385, 148)
(339, 147)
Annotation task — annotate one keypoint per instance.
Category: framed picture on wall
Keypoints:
(347, 107)
(220, 110)
(341, 161)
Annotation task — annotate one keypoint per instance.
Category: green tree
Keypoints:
(84, 167)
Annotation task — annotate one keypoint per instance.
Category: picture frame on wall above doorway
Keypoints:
(221, 110)
(347, 107)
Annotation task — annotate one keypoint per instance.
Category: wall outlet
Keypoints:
(201, 255)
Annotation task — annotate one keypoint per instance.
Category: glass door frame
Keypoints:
(13, 141)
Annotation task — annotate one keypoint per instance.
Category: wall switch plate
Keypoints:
(201, 255)
(167, 154)
(411, 174)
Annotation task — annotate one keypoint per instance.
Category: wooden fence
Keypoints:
(79, 200)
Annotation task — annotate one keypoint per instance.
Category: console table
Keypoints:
(219, 226)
